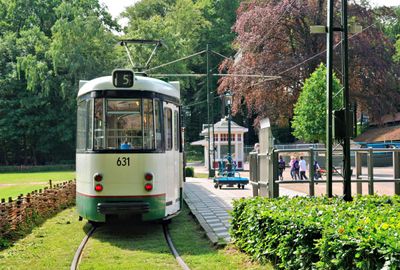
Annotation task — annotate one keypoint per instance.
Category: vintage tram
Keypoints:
(129, 152)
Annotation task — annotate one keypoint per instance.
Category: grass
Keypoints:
(14, 184)
(201, 175)
(52, 246)
(197, 251)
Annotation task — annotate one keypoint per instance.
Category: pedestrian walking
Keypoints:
(292, 168)
(317, 170)
(303, 168)
(281, 167)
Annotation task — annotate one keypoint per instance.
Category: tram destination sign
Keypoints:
(123, 78)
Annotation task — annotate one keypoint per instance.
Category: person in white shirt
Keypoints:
(303, 168)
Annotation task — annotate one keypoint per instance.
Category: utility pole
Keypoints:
(346, 102)
(329, 104)
(210, 170)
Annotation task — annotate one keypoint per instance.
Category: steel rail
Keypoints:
(173, 249)
(79, 251)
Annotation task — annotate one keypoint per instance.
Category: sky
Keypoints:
(117, 6)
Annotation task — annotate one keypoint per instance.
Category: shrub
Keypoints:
(189, 171)
(320, 233)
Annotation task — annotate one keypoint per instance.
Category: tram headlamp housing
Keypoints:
(148, 176)
(97, 177)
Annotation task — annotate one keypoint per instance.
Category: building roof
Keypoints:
(222, 126)
(380, 134)
(388, 118)
(201, 142)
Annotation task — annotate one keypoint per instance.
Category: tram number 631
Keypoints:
(123, 161)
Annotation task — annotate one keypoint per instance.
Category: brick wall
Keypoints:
(38, 203)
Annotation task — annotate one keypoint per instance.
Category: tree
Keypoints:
(43, 56)
(186, 26)
(309, 118)
(274, 39)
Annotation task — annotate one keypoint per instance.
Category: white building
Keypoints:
(221, 143)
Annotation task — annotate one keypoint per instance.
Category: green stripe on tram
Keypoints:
(87, 207)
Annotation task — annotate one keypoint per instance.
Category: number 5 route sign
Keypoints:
(123, 78)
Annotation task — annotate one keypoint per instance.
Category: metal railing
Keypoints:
(264, 170)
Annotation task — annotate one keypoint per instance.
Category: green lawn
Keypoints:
(13, 184)
(52, 246)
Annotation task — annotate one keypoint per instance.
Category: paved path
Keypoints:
(211, 206)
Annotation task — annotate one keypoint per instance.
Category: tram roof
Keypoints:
(141, 83)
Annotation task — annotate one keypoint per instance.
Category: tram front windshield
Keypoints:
(126, 124)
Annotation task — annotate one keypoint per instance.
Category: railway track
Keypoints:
(79, 251)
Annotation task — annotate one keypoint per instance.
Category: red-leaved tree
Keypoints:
(274, 39)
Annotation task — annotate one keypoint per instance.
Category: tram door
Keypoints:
(171, 126)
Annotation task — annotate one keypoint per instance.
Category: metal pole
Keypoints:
(370, 172)
(355, 119)
(212, 121)
(229, 131)
(358, 171)
(210, 171)
(312, 173)
(396, 171)
(329, 107)
(346, 101)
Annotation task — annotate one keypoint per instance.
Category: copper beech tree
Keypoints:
(273, 38)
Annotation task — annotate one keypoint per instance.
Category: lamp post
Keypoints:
(228, 103)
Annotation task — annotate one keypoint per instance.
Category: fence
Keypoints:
(14, 213)
(264, 172)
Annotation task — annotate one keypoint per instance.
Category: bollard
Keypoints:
(358, 172)
(370, 172)
(10, 199)
(274, 175)
(3, 200)
(311, 174)
(51, 183)
(396, 171)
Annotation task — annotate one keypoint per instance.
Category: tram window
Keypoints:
(168, 128)
(90, 124)
(148, 128)
(157, 113)
(99, 132)
(176, 130)
(124, 124)
(81, 126)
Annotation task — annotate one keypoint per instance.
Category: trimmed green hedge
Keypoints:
(320, 233)
(189, 171)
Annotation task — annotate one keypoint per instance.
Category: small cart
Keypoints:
(228, 176)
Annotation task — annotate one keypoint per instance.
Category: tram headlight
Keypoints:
(148, 187)
(97, 177)
(148, 176)
(98, 187)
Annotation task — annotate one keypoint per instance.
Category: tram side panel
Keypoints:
(123, 181)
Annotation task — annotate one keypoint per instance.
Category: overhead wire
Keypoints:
(173, 62)
(316, 55)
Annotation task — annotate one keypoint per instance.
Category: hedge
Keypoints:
(189, 171)
(319, 233)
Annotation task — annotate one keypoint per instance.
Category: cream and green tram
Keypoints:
(129, 153)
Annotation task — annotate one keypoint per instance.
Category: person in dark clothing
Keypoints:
(281, 167)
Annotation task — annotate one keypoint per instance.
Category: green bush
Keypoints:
(320, 233)
(189, 171)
